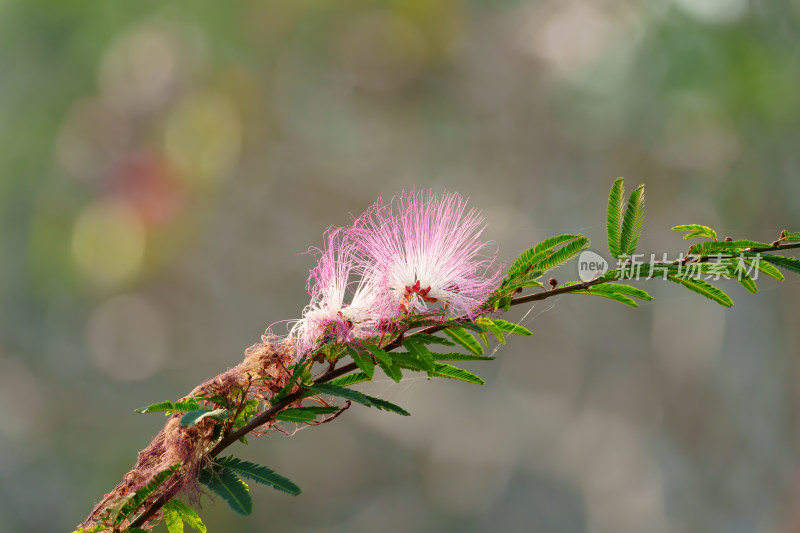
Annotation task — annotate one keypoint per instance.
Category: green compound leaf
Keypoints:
(632, 222)
(614, 217)
(176, 513)
(172, 519)
(384, 361)
(349, 379)
(181, 406)
(421, 353)
(193, 417)
(363, 361)
(457, 356)
(358, 397)
(627, 290)
(304, 414)
(133, 502)
(563, 254)
(791, 236)
(791, 264)
(488, 323)
(510, 327)
(260, 474)
(298, 371)
(227, 485)
(465, 339)
(764, 268)
(427, 338)
(409, 362)
(530, 258)
(617, 296)
(453, 372)
(714, 247)
(388, 406)
(702, 287)
(696, 230)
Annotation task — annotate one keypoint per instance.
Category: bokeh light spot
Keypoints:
(108, 243)
(203, 137)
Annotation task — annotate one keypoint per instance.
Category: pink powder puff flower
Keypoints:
(428, 249)
(330, 317)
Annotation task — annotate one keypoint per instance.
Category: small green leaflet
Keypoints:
(563, 254)
(349, 379)
(489, 325)
(409, 362)
(457, 356)
(133, 502)
(531, 258)
(764, 268)
(304, 414)
(608, 294)
(193, 417)
(176, 513)
(624, 229)
(618, 292)
(259, 474)
(358, 397)
(385, 362)
(421, 353)
(362, 361)
(614, 217)
(791, 236)
(299, 368)
(789, 263)
(441, 370)
(498, 326)
(230, 488)
(714, 247)
(706, 289)
(427, 338)
(181, 406)
(696, 230)
(466, 340)
(632, 222)
(510, 327)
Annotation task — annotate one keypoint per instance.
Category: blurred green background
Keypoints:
(164, 166)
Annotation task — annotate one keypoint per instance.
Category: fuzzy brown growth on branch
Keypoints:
(259, 376)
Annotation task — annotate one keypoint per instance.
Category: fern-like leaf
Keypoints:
(349, 379)
(466, 340)
(176, 513)
(791, 264)
(632, 222)
(614, 217)
(702, 287)
(453, 372)
(133, 502)
(181, 406)
(696, 230)
(260, 474)
(227, 485)
(563, 254)
(304, 414)
(193, 417)
(714, 247)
